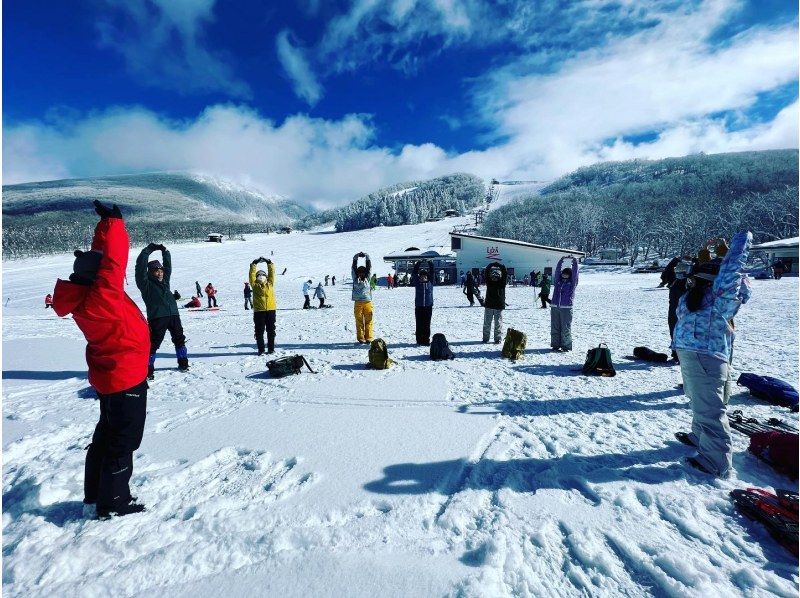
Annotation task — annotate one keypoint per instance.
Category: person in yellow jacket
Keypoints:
(264, 305)
(362, 298)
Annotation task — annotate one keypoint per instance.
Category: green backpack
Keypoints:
(514, 345)
(379, 355)
(598, 362)
(286, 366)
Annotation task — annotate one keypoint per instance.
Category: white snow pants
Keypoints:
(488, 316)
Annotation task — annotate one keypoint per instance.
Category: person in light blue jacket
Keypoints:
(703, 340)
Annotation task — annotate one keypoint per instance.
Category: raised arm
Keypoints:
(368, 264)
(415, 273)
(167, 264)
(727, 285)
(252, 274)
(111, 238)
(430, 270)
(270, 273)
(559, 267)
(141, 267)
(574, 272)
(355, 265)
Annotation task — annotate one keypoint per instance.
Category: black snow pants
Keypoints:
(159, 327)
(307, 302)
(265, 320)
(423, 316)
(109, 459)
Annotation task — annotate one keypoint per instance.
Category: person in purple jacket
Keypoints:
(564, 283)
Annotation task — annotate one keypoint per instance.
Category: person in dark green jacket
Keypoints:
(544, 294)
(152, 278)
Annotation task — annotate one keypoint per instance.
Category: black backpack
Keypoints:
(598, 362)
(285, 366)
(440, 348)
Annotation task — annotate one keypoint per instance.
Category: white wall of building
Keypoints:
(479, 253)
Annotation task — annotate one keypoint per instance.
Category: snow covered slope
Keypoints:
(154, 196)
(475, 477)
(508, 192)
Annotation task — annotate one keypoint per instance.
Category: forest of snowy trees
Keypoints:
(406, 203)
(658, 208)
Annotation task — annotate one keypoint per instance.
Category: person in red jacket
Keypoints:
(117, 351)
(211, 293)
(48, 301)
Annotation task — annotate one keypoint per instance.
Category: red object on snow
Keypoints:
(48, 300)
(117, 335)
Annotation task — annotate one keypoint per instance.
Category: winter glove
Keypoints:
(268, 261)
(151, 247)
(105, 211)
(161, 247)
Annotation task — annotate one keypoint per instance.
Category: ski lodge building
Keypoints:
(444, 262)
(785, 250)
(474, 252)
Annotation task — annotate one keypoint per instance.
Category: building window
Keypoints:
(455, 242)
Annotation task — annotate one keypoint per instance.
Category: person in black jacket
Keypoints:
(469, 288)
(677, 288)
(495, 302)
(422, 279)
(153, 278)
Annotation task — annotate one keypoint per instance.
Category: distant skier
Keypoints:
(153, 278)
(373, 282)
(327, 279)
(333, 280)
(48, 301)
(566, 280)
(362, 298)
(389, 281)
(703, 339)
(422, 279)
(197, 288)
(306, 293)
(495, 302)
(319, 293)
(195, 302)
(117, 349)
(248, 296)
(264, 304)
(211, 295)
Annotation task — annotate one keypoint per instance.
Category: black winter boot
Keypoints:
(128, 508)
(183, 364)
(151, 372)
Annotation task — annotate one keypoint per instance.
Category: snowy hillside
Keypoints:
(509, 192)
(155, 196)
(475, 477)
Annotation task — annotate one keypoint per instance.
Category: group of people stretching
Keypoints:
(122, 344)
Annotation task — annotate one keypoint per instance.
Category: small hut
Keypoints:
(215, 237)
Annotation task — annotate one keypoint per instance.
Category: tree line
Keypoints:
(659, 208)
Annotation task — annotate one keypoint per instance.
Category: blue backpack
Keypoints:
(770, 389)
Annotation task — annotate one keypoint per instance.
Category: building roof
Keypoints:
(214, 234)
(430, 252)
(780, 244)
(515, 242)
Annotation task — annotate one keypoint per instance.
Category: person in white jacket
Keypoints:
(306, 290)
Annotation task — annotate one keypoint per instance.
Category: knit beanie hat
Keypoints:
(567, 271)
(85, 267)
(154, 265)
(703, 256)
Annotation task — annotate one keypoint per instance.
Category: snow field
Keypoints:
(475, 477)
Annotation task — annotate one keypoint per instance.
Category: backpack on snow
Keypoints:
(440, 348)
(379, 355)
(286, 366)
(514, 345)
(598, 362)
(779, 449)
(770, 389)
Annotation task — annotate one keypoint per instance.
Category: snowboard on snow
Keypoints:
(777, 512)
(750, 425)
(204, 309)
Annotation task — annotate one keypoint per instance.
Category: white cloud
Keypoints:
(162, 44)
(295, 63)
(667, 79)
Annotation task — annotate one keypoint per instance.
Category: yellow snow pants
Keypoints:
(363, 313)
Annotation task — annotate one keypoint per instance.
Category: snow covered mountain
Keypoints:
(157, 196)
(53, 216)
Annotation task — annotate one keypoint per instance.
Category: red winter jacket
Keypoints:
(116, 332)
(210, 290)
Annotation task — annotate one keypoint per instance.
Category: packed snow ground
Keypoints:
(476, 477)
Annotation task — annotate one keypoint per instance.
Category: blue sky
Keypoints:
(323, 101)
